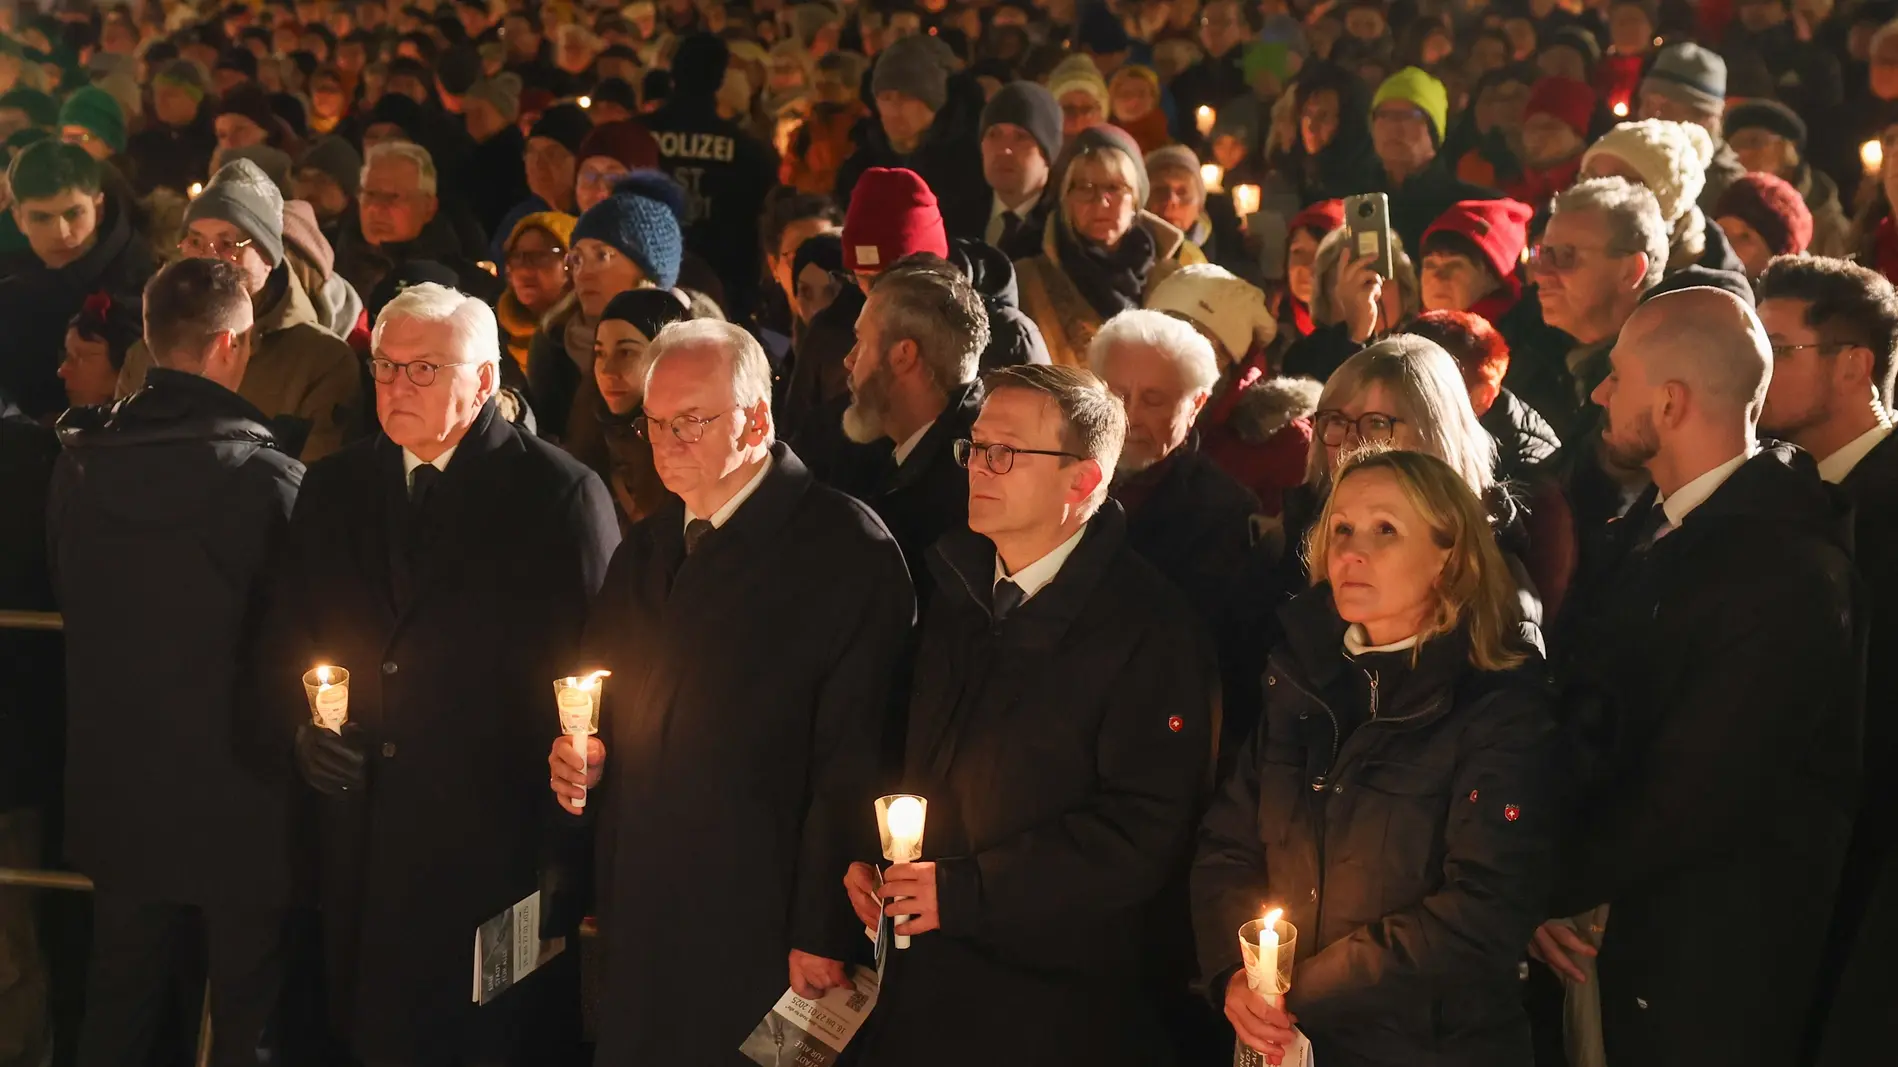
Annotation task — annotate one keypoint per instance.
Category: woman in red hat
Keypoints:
(1554, 134)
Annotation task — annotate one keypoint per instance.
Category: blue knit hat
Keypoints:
(641, 219)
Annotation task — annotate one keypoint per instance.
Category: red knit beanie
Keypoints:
(1570, 101)
(892, 213)
(1498, 228)
(1324, 216)
(624, 140)
(1773, 208)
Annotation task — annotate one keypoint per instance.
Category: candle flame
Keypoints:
(1872, 154)
(1621, 109)
(593, 679)
(196, 188)
(585, 102)
(322, 676)
(1272, 918)
(1211, 175)
(906, 818)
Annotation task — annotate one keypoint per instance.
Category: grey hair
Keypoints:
(1174, 338)
(750, 371)
(1324, 273)
(477, 337)
(408, 150)
(1429, 395)
(925, 299)
(1632, 215)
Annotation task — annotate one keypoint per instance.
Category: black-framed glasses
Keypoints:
(999, 459)
(1782, 351)
(1335, 427)
(689, 429)
(420, 371)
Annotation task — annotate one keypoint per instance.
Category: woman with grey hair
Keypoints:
(1351, 305)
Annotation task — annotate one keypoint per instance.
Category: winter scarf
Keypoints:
(1111, 281)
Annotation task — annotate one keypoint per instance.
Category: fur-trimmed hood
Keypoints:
(1270, 404)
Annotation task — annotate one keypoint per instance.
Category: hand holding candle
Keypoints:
(1872, 155)
(328, 691)
(1212, 175)
(578, 700)
(1245, 200)
(1268, 946)
(900, 818)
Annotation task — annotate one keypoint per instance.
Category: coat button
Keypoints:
(1641, 1002)
(1271, 680)
(1339, 788)
(1314, 894)
(388, 668)
(388, 750)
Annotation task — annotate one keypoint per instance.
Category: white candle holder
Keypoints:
(578, 701)
(328, 690)
(900, 818)
(1213, 176)
(1245, 200)
(1203, 120)
(1269, 957)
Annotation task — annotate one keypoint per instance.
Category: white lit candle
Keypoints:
(902, 818)
(1204, 119)
(585, 102)
(328, 690)
(1212, 175)
(578, 701)
(1872, 154)
(1621, 109)
(1245, 200)
(196, 188)
(1269, 946)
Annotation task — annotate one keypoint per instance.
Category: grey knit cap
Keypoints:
(336, 157)
(913, 66)
(503, 91)
(241, 194)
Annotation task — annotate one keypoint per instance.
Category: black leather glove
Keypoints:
(332, 764)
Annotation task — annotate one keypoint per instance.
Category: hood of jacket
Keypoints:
(292, 307)
(173, 409)
(1271, 404)
(302, 233)
(116, 239)
(988, 270)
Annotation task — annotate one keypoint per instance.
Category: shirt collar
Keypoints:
(1695, 493)
(1357, 642)
(909, 445)
(730, 507)
(1035, 577)
(410, 461)
(1836, 466)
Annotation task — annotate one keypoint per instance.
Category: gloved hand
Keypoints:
(332, 764)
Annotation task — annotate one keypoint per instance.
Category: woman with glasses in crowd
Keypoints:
(630, 240)
(1102, 252)
(1393, 797)
(536, 257)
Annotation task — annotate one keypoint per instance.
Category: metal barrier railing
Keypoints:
(32, 620)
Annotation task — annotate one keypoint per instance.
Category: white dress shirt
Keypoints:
(1836, 466)
(992, 234)
(410, 461)
(909, 444)
(730, 507)
(1035, 577)
(1695, 493)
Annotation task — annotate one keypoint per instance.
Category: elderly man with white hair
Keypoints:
(754, 629)
(447, 564)
(400, 219)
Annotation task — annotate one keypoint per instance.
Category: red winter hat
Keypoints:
(1324, 216)
(1773, 208)
(624, 140)
(1566, 99)
(1498, 228)
(892, 213)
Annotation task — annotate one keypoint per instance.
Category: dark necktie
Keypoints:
(422, 485)
(1006, 598)
(695, 532)
(1011, 227)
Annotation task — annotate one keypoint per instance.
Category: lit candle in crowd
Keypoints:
(1212, 175)
(900, 821)
(1872, 154)
(1269, 945)
(328, 690)
(1245, 200)
(1621, 109)
(585, 102)
(1204, 119)
(578, 700)
(196, 188)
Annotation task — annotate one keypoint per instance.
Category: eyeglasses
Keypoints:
(999, 459)
(689, 429)
(599, 175)
(421, 372)
(195, 247)
(598, 259)
(532, 260)
(1782, 351)
(1088, 192)
(1375, 427)
(1563, 258)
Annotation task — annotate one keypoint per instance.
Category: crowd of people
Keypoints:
(1423, 466)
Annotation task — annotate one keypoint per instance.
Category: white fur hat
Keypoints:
(1226, 306)
(1671, 158)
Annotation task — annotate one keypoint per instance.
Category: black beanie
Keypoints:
(564, 123)
(1032, 107)
(649, 310)
(698, 67)
(1769, 115)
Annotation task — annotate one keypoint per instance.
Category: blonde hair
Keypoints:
(1475, 587)
(1429, 395)
(1112, 159)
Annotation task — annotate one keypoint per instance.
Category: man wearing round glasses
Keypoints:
(301, 375)
(448, 564)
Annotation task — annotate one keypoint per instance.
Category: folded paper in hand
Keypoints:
(812, 1033)
(508, 948)
(1297, 1054)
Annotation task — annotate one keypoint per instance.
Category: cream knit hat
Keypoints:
(1670, 157)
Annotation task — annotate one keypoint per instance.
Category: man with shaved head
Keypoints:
(1714, 693)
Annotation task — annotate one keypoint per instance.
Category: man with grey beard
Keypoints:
(913, 382)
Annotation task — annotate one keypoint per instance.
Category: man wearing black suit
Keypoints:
(913, 383)
(1833, 326)
(448, 564)
(754, 629)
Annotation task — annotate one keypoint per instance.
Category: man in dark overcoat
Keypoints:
(1714, 695)
(753, 629)
(168, 512)
(447, 563)
(1061, 729)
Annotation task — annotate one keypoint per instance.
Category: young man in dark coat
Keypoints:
(168, 511)
(926, 122)
(83, 243)
(753, 628)
(1714, 696)
(1834, 328)
(726, 172)
(447, 563)
(1061, 727)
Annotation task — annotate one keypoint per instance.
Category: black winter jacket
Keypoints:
(1413, 858)
(32, 685)
(1014, 339)
(1524, 439)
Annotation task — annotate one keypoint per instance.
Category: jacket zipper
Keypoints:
(1372, 675)
(1318, 809)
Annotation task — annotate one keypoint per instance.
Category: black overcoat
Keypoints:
(1064, 753)
(453, 627)
(750, 690)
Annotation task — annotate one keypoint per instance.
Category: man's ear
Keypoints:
(757, 422)
(1088, 477)
(902, 357)
(1634, 271)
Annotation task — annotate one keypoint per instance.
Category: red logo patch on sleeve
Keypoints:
(1175, 723)
(1472, 796)
(1511, 812)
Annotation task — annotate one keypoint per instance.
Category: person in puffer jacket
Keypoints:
(1395, 797)
(1014, 339)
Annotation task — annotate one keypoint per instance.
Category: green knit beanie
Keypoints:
(93, 109)
(1415, 87)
